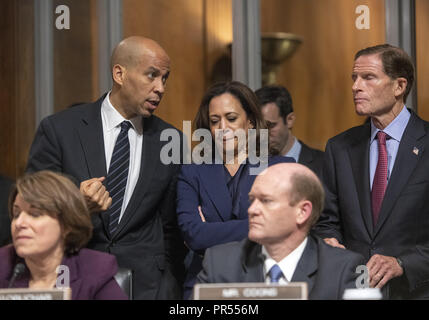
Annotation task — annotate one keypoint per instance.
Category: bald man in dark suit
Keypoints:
(112, 148)
(285, 202)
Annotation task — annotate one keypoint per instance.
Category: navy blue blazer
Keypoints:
(204, 185)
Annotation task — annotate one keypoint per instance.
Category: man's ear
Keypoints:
(290, 120)
(400, 86)
(118, 74)
(305, 208)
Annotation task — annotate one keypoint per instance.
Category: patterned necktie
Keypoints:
(380, 177)
(275, 273)
(117, 177)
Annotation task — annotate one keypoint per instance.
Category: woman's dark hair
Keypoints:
(247, 99)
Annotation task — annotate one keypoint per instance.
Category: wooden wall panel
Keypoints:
(75, 79)
(218, 37)
(16, 85)
(318, 75)
(422, 64)
(178, 27)
(7, 88)
(25, 92)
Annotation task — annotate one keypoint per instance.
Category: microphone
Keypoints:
(17, 271)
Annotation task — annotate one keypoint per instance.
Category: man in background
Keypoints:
(277, 109)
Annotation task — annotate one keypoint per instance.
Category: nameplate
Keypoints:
(251, 291)
(35, 294)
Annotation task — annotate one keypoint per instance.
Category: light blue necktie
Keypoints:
(275, 273)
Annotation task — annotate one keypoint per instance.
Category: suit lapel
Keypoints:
(306, 156)
(149, 162)
(92, 141)
(406, 161)
(212, 178)
(307, 265)
(252, 262)
(359, 158)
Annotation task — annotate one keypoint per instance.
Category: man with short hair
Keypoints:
(376, 178)
(112, 148)
(286, 200)
(277, 109)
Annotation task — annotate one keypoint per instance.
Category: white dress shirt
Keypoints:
(287, 264)
(111, 120)
(295, 151)
(395, 130)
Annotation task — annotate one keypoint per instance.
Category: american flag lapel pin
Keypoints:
(416, 151)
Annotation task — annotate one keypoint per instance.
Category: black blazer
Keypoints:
(312, 158)
(147, 240)
(5, 186)
(402, 229)
(328, 271)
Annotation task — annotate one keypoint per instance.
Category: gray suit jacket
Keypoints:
(328, 271)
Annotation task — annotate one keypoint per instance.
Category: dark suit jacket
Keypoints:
(204, 185)
(5, 185)
(403, 224)
(91, 274)
(328, 271)
(147, 240)
(312, 158)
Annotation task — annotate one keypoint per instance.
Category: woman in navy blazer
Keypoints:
(212, 198)
(50, 224)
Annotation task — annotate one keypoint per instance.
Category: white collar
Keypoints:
(287, 264)
(113, 118)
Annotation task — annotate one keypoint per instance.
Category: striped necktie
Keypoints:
(117, 177)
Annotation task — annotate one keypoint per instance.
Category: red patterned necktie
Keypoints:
(380, 177)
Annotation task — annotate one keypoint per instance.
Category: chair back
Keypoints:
(124, 277)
